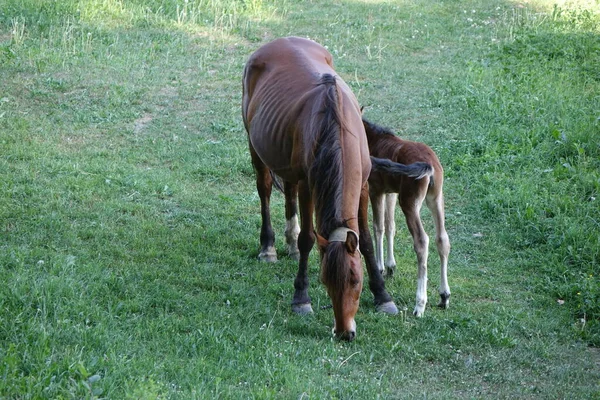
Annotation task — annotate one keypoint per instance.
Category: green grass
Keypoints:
(129, 219)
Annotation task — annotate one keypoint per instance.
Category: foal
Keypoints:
(386, 186)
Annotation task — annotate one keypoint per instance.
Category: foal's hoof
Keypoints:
(419, 311)
(444, 300)
(387, 308)
(389, 271)
(302, 309)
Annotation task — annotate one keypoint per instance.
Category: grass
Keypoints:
(129, 220)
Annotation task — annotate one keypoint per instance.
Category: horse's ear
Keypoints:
(321, 242)
(351, 242)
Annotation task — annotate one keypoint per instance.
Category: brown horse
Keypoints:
(304, 126)
(386, 185)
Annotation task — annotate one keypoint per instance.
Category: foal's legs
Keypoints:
(390, 231)
(306, 240)
(436, 205)
(383, 216)
(292, 229)
(264, 183)
(411, 208)
(383, 301)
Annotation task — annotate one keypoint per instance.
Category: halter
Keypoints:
(340, 235)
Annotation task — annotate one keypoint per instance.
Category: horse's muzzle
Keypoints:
(348, 335)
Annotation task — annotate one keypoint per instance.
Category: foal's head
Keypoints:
(342, 274)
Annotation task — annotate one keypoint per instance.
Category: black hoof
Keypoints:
(445, 300)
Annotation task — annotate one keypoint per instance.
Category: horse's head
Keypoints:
(342, 274)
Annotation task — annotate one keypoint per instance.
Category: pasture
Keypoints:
(129, 218)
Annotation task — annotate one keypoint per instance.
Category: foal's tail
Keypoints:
(416, 170)
(277, 181)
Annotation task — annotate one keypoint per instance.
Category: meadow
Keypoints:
(129, 219)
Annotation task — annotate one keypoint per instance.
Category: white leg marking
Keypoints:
(292, 230)
(390, 231)
(443, 245)
(421, 248)
(421, 296)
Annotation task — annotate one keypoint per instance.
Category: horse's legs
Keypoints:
(292, 229)
(436, 205)
(264, 183)
(306, 240)
(411, 208)
(383, 301)
(390, 231)
(377, 201)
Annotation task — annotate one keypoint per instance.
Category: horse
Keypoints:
(304, 126)
(387, 187)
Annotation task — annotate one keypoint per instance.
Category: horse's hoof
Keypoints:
(302, 309)
(387, 308)
(268, 256)
(418, 312)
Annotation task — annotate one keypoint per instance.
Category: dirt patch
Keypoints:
(5, 38)
(168, 91)
(141, 123)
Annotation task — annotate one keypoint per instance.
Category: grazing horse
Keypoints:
(386, 186)
(304, 125)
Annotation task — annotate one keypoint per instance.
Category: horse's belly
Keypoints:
(277, 152)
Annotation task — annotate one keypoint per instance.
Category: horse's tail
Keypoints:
(416, 170)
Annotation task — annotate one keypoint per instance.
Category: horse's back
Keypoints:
(289, 56)
(385, 144)
(281, 85)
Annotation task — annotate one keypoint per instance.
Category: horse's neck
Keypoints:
(374, 134)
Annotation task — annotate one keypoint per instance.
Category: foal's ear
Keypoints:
(351, 242)
(321, 242)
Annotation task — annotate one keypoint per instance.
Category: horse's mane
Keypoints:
(372, 127)
(325, 174)
(325, 180)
